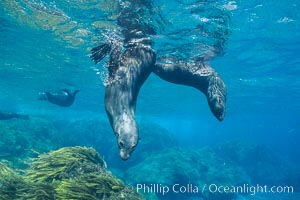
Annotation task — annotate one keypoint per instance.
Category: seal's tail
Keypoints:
(99, 52)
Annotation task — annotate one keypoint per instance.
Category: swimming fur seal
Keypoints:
(10, 115)
(135, 67)
(62, 97)
(129, 69)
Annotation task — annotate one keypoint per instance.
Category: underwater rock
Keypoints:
(187, 166)
(98, 134)
(11, 115)
(88, 132)
(19, 137)
(76, 173)
(261, 163)
(153, 138)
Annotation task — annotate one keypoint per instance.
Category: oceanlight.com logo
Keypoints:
(248, 189)
(211, 188)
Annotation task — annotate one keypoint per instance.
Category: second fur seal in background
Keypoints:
(64, 97)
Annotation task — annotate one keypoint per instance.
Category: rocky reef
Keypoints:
(81, 173)
(190, 168)
(98, 134)
(19, 138)
(261, 163)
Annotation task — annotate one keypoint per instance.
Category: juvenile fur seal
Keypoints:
(129, 69)
(10, 115)
(62, 97)
(135, 67)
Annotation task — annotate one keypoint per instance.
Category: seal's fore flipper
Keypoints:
(198, 75)
(99, 52)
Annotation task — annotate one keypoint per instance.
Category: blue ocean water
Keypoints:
(45, 45)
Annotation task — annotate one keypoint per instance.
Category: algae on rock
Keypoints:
(67, 162)
(89, 186)
(68, 173)
(10, 181)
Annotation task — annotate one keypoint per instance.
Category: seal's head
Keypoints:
(216, 96)
(127, 137)
(217, 106)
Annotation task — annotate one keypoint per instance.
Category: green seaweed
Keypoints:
(9, 182)
(67, 162)
(89, 186)
(67, 173)
(34, 191)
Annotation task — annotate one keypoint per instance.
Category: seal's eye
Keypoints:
(117, 134)
(121, 144)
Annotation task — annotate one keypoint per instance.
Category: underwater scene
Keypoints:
(149, 99)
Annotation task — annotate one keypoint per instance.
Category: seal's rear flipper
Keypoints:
(200, 76)
(98, 53)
